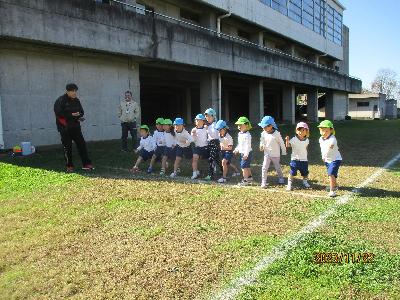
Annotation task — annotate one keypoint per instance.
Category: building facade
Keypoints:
(248, 57)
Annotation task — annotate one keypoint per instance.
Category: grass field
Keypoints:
(110, 235)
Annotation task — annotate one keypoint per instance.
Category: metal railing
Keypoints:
(229, 37)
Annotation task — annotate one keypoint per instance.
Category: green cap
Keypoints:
(167, 122)
(160, 121)
(145, 127)
(243, 120)
(325, 124)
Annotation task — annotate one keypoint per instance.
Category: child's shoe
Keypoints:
(281, 181)
(195, 175)
(235, 174)
(332, 194)
(173, 175)
(264, 185)
(134, 169)
(208, 178)
(222, 180)
(289, 186)
(328, 188)
(245, 182)
(88, 167)
(149, 170)
(178, 171)
(162, 172)
(306, 184)
(69, 170)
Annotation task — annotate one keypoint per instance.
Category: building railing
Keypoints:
(142, 10)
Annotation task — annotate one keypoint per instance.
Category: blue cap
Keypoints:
(221, 124)
(179, 121)
(268, 120)
(210, 112)
(200, 117)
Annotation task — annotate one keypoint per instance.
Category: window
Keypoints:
(189, 15)
(363, 104)
(266, 2)
(243, 34)
(279, 5)
(295, 10)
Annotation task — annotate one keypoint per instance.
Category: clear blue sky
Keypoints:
(374, 36)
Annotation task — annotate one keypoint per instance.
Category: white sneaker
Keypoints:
(195, 175)
(281, 181)
(221, 180)
(306, 184)
(332, 194)
(244, 183)
(235, 174)
(289, 186)
(264, 185)
(178, 171)
(249, 179)
(173, 175)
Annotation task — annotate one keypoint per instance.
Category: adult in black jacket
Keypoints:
(69, 114)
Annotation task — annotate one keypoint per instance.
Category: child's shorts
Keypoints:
(145, 155)
(185, 152)
(333, 167)
(244, 164)
(169, 153)
(227, 154)
(201, 151)
(299, 165)
(159, 151)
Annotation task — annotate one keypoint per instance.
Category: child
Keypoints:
(170, 143)
(330, 154)
(214, 158)
(159, 138)
(299, 161)
(183, 141)
(199, 134)
(146, 147)
(272, 144)
(226, 142)
(244, 148)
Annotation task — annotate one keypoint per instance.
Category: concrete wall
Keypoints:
(32, 79)
(365, 112)
(263, 15)
(109, 29)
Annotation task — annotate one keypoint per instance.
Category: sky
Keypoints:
(374, 37)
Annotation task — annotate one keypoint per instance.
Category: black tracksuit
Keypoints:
(70, 128)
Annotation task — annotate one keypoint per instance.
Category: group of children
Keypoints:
(212, 141)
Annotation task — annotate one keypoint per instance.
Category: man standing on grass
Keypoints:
(128, 113)
(69, 115)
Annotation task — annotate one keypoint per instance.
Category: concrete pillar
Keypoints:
(209, 92)
(336, 107)
(258, 38)
(256, 100)
(2, 146)
(209, 20)
(188, 100)
(312, 106)
(289, 104)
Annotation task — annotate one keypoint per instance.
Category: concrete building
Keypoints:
(367, 106)
(178, 57)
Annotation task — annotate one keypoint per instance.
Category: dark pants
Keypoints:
(74, 134)
(214, 158)
(128, 127)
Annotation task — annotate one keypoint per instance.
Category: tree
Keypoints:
(386, 83)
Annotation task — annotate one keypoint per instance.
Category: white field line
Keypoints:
(197, 181)
(249, 277)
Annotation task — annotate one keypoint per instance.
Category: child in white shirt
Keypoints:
(226, 143)
(299, 160)
(159, 138)
(214, 159)
(170, 143)
(146, 147)
(183, 145)
(200, 135)
(271, 143)
(330, 154)
(244, 148)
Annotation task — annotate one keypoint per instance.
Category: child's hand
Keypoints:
(261, 148)
(193, 131)
(245, 157)
(236, 152)
(136, 151)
